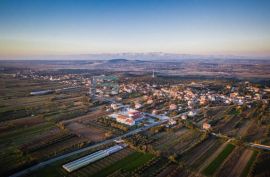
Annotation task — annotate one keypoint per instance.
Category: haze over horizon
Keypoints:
(42, 29)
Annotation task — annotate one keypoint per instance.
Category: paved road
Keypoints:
(260, 146)
(45, 163)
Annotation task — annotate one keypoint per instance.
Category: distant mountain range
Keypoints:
(157, 56)
(139, 56)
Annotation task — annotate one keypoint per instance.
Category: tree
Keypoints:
(85, 100)
(173, 157)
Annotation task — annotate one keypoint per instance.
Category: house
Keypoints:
(202, 100)
(138, 105)
(206, 126)
(192, 113)
(172, 122)
(184, 116)
(154, 111)
(129, 116)
(173, 107)
(114, 106)
(149, 101)
(134, 114)
(125, 119)
(227, 101)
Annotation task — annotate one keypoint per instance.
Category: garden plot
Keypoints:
(218, 160)
(98, 166)
(176, 142)
(198, 154)
(59, 147)
(91, 133)
(242, 163)
(230, 163)
(91, 116)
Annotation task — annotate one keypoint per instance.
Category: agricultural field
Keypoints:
(232, 166)
(197, 155)
(261, 165)
(126, 165)
(245, 123)
(175, 170)
(35, 128)
(176, 142)
(91, 169)
(41, 128)
(217, 162)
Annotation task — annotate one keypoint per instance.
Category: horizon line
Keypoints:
(121, 55)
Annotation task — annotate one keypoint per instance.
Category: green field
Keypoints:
(129, 163)
(249, 164)
(215, 164)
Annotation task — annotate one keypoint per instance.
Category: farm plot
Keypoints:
(249, 164)
(66, 114)
(91, 116)
(23, 135)
(173, 170)
(205, 158)
(91, 133)
(244, 127)
(126, 165)
(11, 158)
(12, 155)
(60, 146)
(228, 127)
(169, 142)
(47, 138)
(232, 161)
(243, 161)
(55, 169)
(28, 106)
(166, 172)
(199, 153)
(98, 166)
(216, 163)
(254, 132)
(22, 122)
(163, 137)
(27, 121)
(261, 167)
(152, 167)
(186, 142)
(218, 111)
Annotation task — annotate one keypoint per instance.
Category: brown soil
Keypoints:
(167, 171)
(22, 122)
(199, 150)
(94, 115)
(230, 162)
(241, 164)
(91, 133)
(212, 157)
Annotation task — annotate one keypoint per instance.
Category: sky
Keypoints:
(73, 27)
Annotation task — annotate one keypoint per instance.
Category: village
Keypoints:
(95, 118)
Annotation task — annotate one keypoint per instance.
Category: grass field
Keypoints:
(129, 163)
(215, 164)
